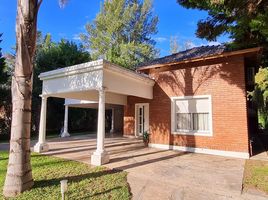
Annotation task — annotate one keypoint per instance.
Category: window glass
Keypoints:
(192, 114)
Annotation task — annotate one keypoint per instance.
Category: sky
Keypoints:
(69, 22)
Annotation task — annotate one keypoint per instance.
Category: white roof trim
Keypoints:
(94, 66)
(124, 71)
(75, 69)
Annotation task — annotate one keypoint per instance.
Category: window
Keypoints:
(192, 115)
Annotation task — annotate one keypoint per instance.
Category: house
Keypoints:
(195, 100)
(199, 101)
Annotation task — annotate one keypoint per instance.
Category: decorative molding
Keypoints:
(233, 154)
(96, 65)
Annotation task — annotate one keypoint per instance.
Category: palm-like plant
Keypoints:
(19, 173)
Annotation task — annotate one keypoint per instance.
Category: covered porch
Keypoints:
(114, 116)
(98, 82)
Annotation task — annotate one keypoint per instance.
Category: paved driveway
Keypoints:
(158, 174)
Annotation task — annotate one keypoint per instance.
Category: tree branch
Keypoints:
(39, 4)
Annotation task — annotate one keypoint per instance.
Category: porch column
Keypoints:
(100, 156)
(41, 145)
(65, 128)
(112, 121)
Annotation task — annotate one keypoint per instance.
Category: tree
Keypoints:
(3, 68)
(247, 24)
(174, 45)
(245, 21)
(5, 97)
(121, 32)
(260, 96)
(19, 172)
(49, 56)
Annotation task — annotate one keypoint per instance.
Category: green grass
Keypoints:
(84, 182)
(256, 175)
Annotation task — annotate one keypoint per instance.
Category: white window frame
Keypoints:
(173, 118)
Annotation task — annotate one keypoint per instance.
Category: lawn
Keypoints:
(256, 175)
(84, 182)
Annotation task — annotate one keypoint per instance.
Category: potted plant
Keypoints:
(146, 138)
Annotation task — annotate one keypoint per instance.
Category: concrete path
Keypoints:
(158, 174)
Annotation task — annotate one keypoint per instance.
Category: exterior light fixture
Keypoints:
(63, 188)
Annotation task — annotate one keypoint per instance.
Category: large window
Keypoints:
(192, 115)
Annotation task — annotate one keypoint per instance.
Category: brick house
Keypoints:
(195, 100)
(199, 102)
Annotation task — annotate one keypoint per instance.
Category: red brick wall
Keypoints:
(225, 82)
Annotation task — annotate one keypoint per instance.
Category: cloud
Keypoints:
(189, 44)
(160, 39)
(76, 37)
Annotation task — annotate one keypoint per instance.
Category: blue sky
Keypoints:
(69, 22)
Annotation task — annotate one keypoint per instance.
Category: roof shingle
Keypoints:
(196, 52)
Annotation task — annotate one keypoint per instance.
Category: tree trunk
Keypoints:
(19, 172)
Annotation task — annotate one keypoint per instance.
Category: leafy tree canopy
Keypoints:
(3, 67)
(245, 21)
(260, 96)
(49, 56)
(121, 32)
(5, 96)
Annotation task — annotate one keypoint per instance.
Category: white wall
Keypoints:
(73, 83)
(120, 83)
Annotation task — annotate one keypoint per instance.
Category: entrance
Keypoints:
(142, 118)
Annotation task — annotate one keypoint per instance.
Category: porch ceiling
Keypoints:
(82, 82)
(74, 103)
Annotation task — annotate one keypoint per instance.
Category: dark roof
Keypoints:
(196, 52)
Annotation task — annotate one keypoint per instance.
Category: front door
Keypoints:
(142, 118)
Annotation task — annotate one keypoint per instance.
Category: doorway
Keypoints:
(141, 118)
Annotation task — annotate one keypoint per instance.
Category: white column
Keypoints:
(100, 156)
(41, 145)
(112, 121)
(65, 132)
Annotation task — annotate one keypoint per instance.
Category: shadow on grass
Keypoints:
(36, 155)
(48, 163)
(104, 192)
(2, 159)
(73, 179)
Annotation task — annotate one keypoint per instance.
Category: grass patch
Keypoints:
(256, 175)
(84, 182)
